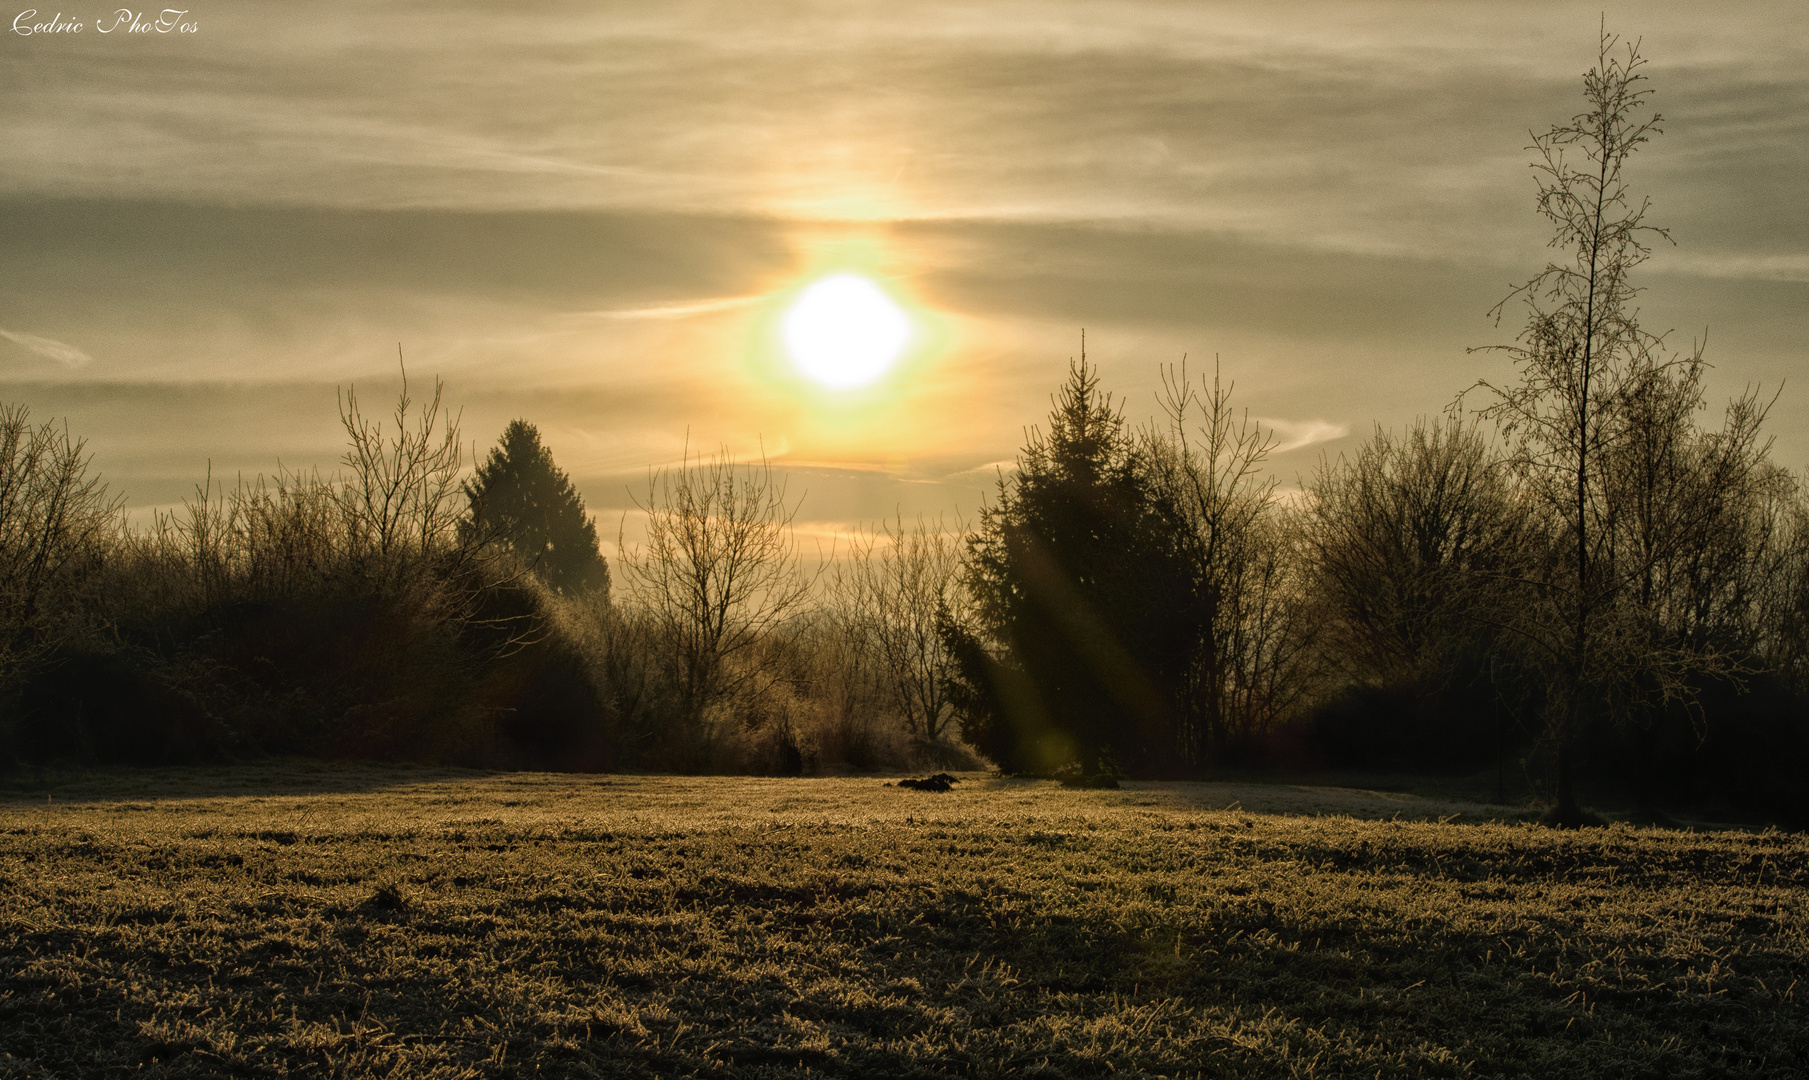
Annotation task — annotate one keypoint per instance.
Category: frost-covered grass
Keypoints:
(310, 920)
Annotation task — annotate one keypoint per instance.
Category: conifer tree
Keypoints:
(1083, 596)
(523, 500)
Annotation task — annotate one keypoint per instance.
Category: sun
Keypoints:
(844, 332)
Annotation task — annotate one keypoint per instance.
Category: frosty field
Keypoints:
(301, 920)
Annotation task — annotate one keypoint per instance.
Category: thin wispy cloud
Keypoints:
(681, 310)
(1753, 267)
(62, 352)
(1296, 434)
(986, 474)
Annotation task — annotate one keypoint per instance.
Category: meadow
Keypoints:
(312, 919)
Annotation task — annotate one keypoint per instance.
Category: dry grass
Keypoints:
(305, 920)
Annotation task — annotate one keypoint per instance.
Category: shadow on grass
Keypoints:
(295, 776)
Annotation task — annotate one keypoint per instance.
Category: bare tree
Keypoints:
(1784, 605)
(54, 520)
(718, 576)
(403, 492)
(1585, 365)
(1410, 539)
(266, 537)
(401, 505)
(834, 663)
(890, 594)
(1696, 520)
(387, 524)
(1248, 652)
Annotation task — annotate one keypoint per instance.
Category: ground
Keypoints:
(316, 920)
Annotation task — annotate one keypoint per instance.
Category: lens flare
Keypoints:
(845, 332)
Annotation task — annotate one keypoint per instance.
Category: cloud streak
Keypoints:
(62, 352)
(1739, 267)
(681, 310)
(1298, 434)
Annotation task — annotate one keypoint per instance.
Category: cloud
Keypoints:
(62, 353)
(985, 474)
(1295, 434)
(1752, 267)
(680, 311)
(1342, 126)
(565, 209)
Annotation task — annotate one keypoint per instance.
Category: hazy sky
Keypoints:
(583, 213)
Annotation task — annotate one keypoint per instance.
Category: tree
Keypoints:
(524, 500)
(1584, 362)
(54, 520)
(718, 578)
(1080, 634)
(1784, 608)
(1409, 538)
(400, 498)
(1241, 608)
(891, 594)
(1415, 547)
(1696, 519)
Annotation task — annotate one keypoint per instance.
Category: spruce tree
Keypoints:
(521, 499)
(1084, 597)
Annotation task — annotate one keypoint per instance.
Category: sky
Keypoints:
(588, 215)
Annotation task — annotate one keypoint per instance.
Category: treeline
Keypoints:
(1570, 552)
(1570, 574)
(1134, 602)
(1148, 603)
(367, 614)
(409, 608)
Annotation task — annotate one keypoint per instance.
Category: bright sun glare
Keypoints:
(844, 332)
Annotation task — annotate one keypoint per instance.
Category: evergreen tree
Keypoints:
(1083, 597)
(523, 500)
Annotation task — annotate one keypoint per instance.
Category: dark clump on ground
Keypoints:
(1096, 781)
(938, 782)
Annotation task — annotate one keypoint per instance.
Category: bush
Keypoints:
(55, 521)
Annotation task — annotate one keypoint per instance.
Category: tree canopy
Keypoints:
(523, 500)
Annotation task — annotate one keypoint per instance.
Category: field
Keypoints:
(303, 920)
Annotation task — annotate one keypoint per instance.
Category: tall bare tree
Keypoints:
(1590, 380)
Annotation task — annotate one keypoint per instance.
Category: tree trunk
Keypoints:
(1567, 791)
